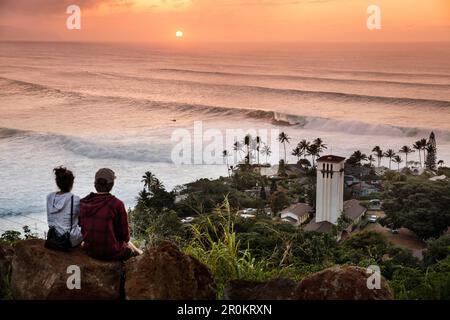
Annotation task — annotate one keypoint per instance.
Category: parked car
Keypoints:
(373, 219)
(394, 231)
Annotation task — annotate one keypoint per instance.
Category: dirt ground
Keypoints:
(405, 238)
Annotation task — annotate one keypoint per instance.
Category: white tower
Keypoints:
(330, 188)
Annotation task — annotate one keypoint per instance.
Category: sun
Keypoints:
(179, 34)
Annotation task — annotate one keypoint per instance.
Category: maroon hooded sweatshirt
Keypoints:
(104, 225)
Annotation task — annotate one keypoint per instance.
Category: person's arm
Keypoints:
(123, 231)
(76, 210)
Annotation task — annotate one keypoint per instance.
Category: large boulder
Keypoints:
(42, 274)
(341, 283)
(276, 289)
(165, 273)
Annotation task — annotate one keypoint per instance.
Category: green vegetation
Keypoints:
(7, 239)
(431, 284)
(420, 205)
(437, 250)
(216, 244)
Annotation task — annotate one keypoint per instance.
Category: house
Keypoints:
(296, 214)
(269, 171)
(354, 210)
(364, 189)
(291, 170)
(379, 171)
(350, 180)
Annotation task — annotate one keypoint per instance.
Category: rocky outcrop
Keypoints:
(165, 273)
(341, 283)
(276, 289)
(42, 274)
(337, 283)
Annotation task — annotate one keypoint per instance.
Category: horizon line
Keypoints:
(225, 42)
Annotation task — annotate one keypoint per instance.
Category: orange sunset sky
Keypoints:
(226, 20)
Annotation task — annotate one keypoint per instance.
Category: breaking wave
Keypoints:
(93, 149)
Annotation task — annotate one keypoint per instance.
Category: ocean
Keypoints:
(87, 106)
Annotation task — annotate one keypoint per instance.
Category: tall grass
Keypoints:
(215, 244)
(5, 292)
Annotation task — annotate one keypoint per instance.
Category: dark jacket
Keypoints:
(104, 225)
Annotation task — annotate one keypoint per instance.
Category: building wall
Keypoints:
(300, 220)
(330, 191)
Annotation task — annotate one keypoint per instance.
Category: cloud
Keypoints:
(271, 2)
(56, 6)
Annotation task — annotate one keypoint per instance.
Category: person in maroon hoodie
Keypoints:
(104, 222)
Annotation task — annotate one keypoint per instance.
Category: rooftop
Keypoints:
(331, 158)
(289, 219)
(299, 209)
(322, 227)
(353, 209)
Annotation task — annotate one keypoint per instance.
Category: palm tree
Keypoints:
(313, 151)
(297, 152)
(371, 160)
(420, 145)
(258, 145)
(303, 145)
(397, 160)
(378, 153)
(266, 151)
(225, 155)
(320, 145)
(151, 182)
(247, 141)
(237, 147)
(283, 138)
(389, 154)
(148, 179)
(357, 157)
(406, 150)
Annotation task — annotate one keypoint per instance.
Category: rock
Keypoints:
(165, 273)
(40, 273)
(341, 283)
(276, 289)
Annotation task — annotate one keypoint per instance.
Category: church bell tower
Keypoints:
(330, 188)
